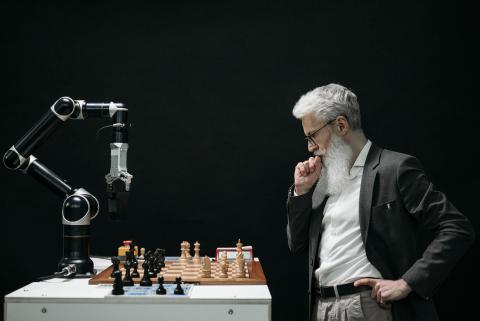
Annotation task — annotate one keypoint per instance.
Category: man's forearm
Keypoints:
(298, 216)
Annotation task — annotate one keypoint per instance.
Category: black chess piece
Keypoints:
(156, 265)
(162, 258)
(147, 255)
(152, 272)
(178, 289)
(161, 289)
(132, 249)
(128, 256)
(127, 280)
(117, 284)
(134, 257)
(146, 280)
(116, 265)
(135, 273)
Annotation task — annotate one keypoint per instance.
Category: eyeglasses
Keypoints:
(309, 138)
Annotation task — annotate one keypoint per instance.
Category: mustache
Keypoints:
(320, 153)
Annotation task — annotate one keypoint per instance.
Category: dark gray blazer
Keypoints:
(397, 201)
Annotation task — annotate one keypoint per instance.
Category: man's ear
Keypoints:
(342, 126)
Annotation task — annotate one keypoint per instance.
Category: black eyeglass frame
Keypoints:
(310, 138)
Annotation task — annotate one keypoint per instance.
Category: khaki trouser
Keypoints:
(353, 307)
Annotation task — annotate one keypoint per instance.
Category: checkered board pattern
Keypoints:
(191, 273)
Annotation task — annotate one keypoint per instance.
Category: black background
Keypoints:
(210, 87)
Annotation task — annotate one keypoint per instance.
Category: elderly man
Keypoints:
(358, 209)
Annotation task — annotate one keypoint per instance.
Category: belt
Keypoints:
(339, 290)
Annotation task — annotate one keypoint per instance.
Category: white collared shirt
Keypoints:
(342, 253)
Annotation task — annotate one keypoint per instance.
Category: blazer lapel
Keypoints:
(366, 189)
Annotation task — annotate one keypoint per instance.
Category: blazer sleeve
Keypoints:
(299, 209)
(453, 232)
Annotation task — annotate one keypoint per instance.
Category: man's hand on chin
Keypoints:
(306, 174)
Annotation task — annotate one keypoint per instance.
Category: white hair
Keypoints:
(329, 102)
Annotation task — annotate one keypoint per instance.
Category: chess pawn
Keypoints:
(224, 269)
(196, 258)
(206, 268)
(142, 254)
(224, 256)
(161, 289)
(178, 289)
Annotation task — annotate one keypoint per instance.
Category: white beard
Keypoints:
(336, 164)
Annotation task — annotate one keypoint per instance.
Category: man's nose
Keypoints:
(312, 147)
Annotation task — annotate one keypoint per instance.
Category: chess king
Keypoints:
(357, 209)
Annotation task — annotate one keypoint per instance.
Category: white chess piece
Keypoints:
(240, 265)
(224, 269)
(187, 250)
(239, 245)
(196, 258)
(224, 256)
(206, 268)
(183, 256)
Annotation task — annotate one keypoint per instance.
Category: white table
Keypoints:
(74, 299)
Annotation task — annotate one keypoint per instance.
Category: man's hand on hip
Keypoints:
(385, 291)
(306, 174)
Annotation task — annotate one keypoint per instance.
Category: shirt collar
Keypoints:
(357, 167)
(362, 157)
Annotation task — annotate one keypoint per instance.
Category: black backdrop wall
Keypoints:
(210, 87)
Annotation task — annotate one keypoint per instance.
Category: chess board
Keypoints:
(191, 273)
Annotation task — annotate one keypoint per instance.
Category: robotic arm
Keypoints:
(79, 206)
